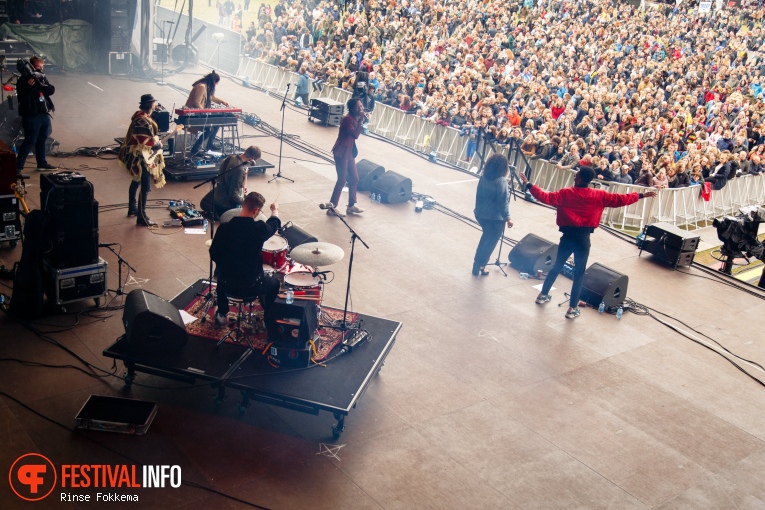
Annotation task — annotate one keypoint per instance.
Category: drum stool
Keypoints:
(242, 317)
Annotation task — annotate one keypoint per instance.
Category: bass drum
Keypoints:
(183, 54)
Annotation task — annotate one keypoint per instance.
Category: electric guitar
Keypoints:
(20, 191)
(151, 157)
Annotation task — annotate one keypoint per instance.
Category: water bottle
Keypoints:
(379, 198)
(373, 197)
(205, 224)
(290, 296)
(601, 307)
(619, 312)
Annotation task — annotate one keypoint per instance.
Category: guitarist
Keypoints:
(141, 155)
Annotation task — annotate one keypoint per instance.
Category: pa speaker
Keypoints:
(152, 324)
(296, 236)
(368, 174)
(604, 285)
(533, 254)
(393, 188)
(291, 325)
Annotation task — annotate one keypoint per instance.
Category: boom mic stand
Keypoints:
(344, 326)
(209, 296)
(120, 290)
(278, 175)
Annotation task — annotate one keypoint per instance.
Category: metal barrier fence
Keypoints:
(679, 206)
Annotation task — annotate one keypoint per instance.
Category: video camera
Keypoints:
(27, 70)
(25, 67)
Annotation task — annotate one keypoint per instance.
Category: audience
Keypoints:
(665, 97)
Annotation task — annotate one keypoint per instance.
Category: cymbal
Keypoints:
(317, 254)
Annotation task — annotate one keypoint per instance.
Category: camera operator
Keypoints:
(35, 106)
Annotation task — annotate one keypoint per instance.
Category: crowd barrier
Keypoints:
(684, 207)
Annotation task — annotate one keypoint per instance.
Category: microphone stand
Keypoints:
(344, 326)
(120, 290)
(209, 296)
(278, 175)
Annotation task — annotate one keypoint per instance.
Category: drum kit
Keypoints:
(298, 269)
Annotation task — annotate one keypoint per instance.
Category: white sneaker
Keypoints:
(221, 320)
(335, 212)
(352, 209)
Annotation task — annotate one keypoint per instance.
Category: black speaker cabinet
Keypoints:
(393, 188)
(670, 244)
(163, 120)
(368, 174)
(152, 324)
(533, 254)
(291, 325)
(296, 236)
(64, 188)
(604, 285)
(673, 237)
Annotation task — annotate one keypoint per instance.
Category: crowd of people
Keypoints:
(661, 97)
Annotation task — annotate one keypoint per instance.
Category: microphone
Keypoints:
(106, 245)
(328, 205)
(320, 273)
(161, 108)
(288, 86)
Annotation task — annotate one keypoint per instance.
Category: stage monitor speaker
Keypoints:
(296, 236)
(368, 174)
(291, 325)
(533, 254)
(604, 285)
(393, 188)
(152, 324)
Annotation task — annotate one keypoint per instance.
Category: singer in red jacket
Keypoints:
(579, 211)
(345, 152)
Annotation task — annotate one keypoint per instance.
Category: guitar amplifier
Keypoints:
(291, 325)
(63, 188)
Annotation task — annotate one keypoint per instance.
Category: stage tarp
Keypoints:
(67, 44)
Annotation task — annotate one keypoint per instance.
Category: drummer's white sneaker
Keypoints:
(352, 209)
(221, 320)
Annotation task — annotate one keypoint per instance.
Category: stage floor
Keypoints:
(335, 385)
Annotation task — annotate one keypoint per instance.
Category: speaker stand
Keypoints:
(497, 263)
(120, 289)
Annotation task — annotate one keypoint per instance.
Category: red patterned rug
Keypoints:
(324, 341)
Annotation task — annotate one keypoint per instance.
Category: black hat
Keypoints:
(146, 100)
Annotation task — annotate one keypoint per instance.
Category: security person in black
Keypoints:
(35, 106)
(237, 252)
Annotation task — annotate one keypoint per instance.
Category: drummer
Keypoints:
(236, 250)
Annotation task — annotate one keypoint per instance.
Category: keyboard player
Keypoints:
(202, 96)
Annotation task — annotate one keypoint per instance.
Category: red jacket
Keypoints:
(350, 130)
(582, 207)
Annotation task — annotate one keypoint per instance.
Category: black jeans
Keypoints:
(492, 231)
(36, 131)
(209, 135)
(580, 247)
(266, 291)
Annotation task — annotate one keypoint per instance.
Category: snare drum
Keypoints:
(274, 252)
(305, 282)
